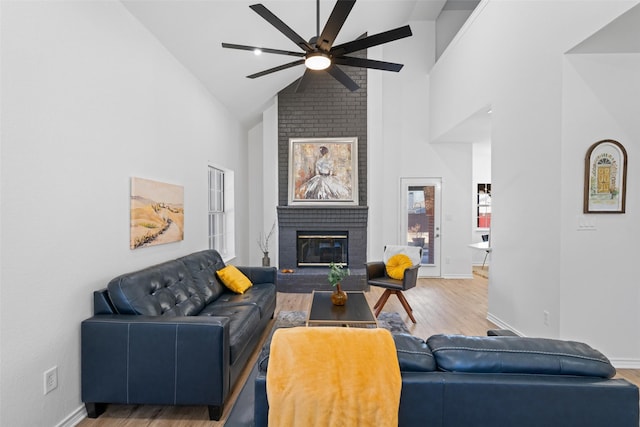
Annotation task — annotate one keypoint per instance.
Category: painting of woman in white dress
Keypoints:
(323, 170)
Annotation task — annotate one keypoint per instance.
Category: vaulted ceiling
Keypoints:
(193, 30)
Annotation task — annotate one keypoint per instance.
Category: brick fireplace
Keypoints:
(293, 220)
(325, 109)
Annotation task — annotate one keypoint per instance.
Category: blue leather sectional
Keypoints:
(172, 334)
(499, 381)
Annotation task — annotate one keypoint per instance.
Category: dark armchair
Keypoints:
(377, 276)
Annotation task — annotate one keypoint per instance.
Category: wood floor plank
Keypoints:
(440, 306)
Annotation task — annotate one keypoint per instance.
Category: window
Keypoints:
(217, 219)
(484, 206)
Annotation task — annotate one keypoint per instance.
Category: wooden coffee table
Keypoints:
(356, 312)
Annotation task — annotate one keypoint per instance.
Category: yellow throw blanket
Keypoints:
(332, 376)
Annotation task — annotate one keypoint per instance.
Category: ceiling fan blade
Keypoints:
(370, 41)
(281, 26)
(262, 49)
(334, 24)
(367, 63)
(278, 68)
(343, 78)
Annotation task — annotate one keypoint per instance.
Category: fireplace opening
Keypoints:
(319, 249)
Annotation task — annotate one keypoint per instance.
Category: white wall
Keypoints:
(447, 25)
(503, 59)
(263, 178)
(269, 182)
(601, 99)
(256, 203)
(398, 138)
(89, 99)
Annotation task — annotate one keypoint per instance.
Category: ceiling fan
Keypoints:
(319, 53)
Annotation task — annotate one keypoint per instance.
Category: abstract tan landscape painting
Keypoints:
(157, 213)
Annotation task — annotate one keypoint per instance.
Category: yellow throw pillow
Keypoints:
(233, 279)
(396, 266)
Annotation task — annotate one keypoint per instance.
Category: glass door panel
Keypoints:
(421, 221)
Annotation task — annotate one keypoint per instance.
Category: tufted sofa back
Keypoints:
(166, 289)
(203, 266)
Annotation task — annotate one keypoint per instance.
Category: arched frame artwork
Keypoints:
(605, 177)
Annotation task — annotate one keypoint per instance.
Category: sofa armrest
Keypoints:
(414, 355)
(155, 359)
(260, 274)
(102, 303)
(261, 404)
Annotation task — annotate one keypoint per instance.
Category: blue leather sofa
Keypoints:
(172, 334)
(500, 381)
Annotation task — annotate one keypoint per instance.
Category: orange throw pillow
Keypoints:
(396, 266)
(233, 279)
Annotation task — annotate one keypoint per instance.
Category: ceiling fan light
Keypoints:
(257, 51)
(317, 61)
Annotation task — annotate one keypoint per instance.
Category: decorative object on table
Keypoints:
(156, 212)
(323, 171)
(263, 244)
(605, 178)
(337, 273)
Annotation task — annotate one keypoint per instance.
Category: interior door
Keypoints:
(420, 220)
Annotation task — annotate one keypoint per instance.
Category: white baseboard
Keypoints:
(74, 418)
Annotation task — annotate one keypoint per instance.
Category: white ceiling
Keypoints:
(193, 30)
(619, 36)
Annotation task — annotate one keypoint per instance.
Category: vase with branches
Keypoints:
(263, 244)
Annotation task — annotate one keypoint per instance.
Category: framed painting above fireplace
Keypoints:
(323, 171)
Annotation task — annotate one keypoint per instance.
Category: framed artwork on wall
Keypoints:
(157, 213)
(605, 178)
(323, 171)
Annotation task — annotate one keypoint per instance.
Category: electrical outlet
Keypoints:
(545, 314)
(50, 380)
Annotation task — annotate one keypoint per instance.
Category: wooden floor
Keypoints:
(439, 305)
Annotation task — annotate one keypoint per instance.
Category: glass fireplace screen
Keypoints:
(316, 249)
